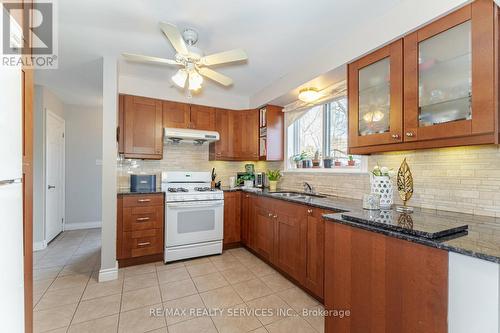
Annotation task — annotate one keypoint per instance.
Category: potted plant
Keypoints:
(381, 184)
(297, 159)
(306, 159)
(338, 163)
(274, 176)
(247, 180)
(316, 161)
(351, 161)
(327, 162)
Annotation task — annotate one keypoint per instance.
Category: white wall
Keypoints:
(359, 38)
(83, 166)
(109, 265)
(44, 100)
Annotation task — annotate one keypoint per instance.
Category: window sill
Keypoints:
(336, 170)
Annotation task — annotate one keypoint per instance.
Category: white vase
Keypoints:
(382, 185)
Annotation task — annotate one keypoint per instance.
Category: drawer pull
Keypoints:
(309, 211)
(270, 214)
(142, 219)
(143, 200)
(144, 244)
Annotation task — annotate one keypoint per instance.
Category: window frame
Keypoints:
(326, 145)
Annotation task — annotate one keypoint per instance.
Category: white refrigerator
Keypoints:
(11, 202)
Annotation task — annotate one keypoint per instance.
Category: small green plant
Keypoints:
(274, 175)
(383, 171)
(245, 177)
(351, 158)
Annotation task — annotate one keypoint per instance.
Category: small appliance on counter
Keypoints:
(142, 183)
(260, 179)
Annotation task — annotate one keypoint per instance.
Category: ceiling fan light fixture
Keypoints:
(195, 80)
(180, 78)
(309, 95)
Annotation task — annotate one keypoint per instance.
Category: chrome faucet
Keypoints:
(308, 188)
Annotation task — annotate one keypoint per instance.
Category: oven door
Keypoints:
(193, 222)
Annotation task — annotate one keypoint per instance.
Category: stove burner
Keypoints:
(203, 189)
(177, 189)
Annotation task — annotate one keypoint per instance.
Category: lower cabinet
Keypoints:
(387, 284)
(288, 235)
(232, 218)
(140, 221)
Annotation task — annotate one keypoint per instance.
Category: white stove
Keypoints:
(194, 215)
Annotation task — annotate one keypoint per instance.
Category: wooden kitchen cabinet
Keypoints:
(246, 217)
(446, 76)
(375, 84)
(202, 118)
(449, 75)
(176, 115)
(232, 219)
(388, 284)
(140, 225)
(271, 127)
(143, 128)
(315, 251)
(238, 132)
(263, 228)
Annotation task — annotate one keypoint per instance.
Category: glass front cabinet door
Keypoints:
(375, 95)
(449, 76)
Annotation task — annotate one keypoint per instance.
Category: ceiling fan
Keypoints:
(194, 64)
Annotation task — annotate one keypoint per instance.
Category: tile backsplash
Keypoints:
(185, 157)
(462, 179)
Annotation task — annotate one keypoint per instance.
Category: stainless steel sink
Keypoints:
(297, 195)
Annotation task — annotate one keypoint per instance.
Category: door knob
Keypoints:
(410, 134)
(50, 187)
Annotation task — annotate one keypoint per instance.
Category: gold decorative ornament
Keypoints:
(405, 185)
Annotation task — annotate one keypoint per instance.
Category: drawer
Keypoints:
(142, 243)
(142, 218)
(139, 200)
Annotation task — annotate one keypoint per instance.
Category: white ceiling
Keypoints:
(277, 35)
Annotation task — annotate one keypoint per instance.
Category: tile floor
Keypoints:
(233, 292)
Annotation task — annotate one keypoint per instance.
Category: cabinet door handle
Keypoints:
(309, 211)
(270, 214)
(142, 219)
(395, 136)
(275, 216)
(143, 200)
(144, 244)
(410, 134)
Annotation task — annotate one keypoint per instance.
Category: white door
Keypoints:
(54, 199)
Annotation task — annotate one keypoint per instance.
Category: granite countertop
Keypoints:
(480, 240)
(126, 191)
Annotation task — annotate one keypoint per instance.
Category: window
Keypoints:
(321, 132)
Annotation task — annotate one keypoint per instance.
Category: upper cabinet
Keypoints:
(376, 97)
(271, 133)
(202, 118)
(444, 74)
(141, 121)
(449, 80)
(181, 115)
(143, 128)
(239, 136)
(176, 115)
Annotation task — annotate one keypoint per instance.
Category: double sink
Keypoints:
(297, 195)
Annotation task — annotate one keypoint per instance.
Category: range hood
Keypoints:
(178, 135)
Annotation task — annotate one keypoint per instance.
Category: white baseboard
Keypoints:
(108, 274)
(38, 246)
(82, 225)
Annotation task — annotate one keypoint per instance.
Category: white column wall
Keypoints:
(109, 265)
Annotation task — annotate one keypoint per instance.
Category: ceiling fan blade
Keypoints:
(175, 37)
(225, 57)
(215, 76)
(148, 59)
